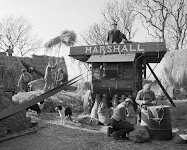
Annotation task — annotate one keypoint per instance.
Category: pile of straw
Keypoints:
(174, 71)
(21, 97)
(37, 84)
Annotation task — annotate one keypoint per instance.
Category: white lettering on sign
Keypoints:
(102, 49)
(113, 49)
(88, 49)
(116, 48)
(132, 50)
(109, 49)
(95, 50)
(124, 49)
(139, 48)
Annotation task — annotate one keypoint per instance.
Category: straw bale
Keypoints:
(174, 72)
(37, 84)
(21, 97)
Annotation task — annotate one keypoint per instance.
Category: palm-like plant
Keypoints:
(67, 38)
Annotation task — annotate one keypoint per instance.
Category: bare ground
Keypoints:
(53, 136)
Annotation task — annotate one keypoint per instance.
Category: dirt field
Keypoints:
(72, 136)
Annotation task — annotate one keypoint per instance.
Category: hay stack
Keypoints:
(10, 68)
(174, 72)
(14, 123)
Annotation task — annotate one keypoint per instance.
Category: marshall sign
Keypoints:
(118, 48)
(112, 49)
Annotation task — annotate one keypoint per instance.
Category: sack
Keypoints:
(139, 135)
(104, 115)
(179, 139)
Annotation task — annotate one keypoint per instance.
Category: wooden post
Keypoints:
(144, 67)
(160, 84)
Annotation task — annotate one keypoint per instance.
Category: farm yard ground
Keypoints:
(53, 136)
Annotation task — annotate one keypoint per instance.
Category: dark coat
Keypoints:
(115, 36)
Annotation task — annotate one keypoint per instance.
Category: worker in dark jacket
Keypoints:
(115, 35)
(10, 51)
(62, 77)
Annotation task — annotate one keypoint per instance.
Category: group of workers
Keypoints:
(114, 36)
(120, 126)
(50, 80)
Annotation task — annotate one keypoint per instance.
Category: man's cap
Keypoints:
(146, 86)
(115, 23)
(129, 100)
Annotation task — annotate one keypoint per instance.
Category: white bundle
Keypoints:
(174, 70)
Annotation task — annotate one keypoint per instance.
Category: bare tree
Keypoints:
(177, 26)
(120, 12)
(96, 34)
(164, 20)
(17, 33)
(154, 14)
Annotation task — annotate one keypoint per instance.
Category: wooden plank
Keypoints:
(160, 84)
(35, 70)
(14, 109)
(116, 48)
(10, 136)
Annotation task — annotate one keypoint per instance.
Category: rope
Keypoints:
(134, 62)
(157, 117)
(150, 73)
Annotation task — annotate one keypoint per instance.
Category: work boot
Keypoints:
(110, 130)
(116, 136)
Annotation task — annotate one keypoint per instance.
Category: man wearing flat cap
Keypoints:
(146, 96)
(115, 35)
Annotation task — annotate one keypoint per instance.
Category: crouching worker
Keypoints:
(120, 127)
(131, 114)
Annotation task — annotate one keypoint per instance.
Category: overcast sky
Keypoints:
(50, 17)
